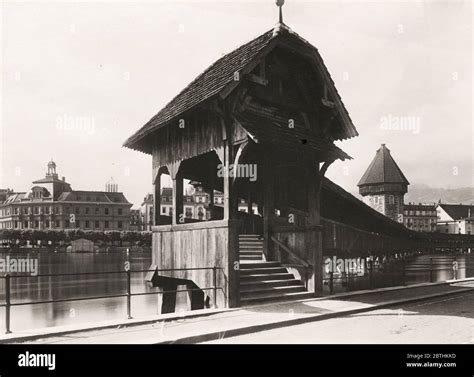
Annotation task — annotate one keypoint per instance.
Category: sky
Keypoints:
(78, 78)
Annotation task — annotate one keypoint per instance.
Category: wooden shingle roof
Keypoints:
(383, 169)
(221, 75)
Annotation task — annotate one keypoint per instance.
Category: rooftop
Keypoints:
(458, 211)
(221, 75)
(383, 169)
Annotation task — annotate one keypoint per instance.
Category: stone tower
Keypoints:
(383, 185)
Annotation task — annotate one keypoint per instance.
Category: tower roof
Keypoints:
(383, 169)
(220, 77)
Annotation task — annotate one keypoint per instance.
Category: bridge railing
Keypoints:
(428, 270)
(8, 277)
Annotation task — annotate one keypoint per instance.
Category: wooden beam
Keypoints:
(230, 198)
(268, 201)
(314, 244)
(256, 79)
(238, 156)
(318, 63)
(173, 168)
(157, 200)
(262, 68)
(327, 103)
(289, 251)
(249, 68)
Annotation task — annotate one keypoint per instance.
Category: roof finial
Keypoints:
(280, 4)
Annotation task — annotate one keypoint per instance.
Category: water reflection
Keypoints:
(44, 288)
(416, 270)
(25, 289)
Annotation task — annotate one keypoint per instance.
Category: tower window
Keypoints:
(391, 199)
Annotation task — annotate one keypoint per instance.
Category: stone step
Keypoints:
(251, 248)
(261, 299)
(266, 277)
(251, 245)
(264, 284)
(271, 291)
(262, 264)
(251, 255)
(268, 270)
(251, 258)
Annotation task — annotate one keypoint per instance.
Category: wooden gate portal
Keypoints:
(259, 125)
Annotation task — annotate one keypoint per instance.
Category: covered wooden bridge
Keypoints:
(259, 124)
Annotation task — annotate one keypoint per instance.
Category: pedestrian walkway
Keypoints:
(233, 322)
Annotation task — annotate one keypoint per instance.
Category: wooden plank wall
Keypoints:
(205, 244)
(346, 240)
(297, 241)
(198, 134)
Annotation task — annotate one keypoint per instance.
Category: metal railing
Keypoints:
(8, 303)
(400, 272)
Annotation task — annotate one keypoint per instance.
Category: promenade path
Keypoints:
(211, 326)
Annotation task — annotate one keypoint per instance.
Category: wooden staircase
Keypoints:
(263, 281)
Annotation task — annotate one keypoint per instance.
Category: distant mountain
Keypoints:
(420, 193)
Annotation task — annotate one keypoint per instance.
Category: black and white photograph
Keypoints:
(236, 187)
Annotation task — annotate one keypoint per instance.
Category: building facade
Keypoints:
(383, 185)
(196, 205)
(51, 204)
(420, 217)
(455, 218)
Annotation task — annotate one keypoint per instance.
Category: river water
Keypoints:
(101, 283)
(37, 288)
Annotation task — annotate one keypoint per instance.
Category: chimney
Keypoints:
(64, 179)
